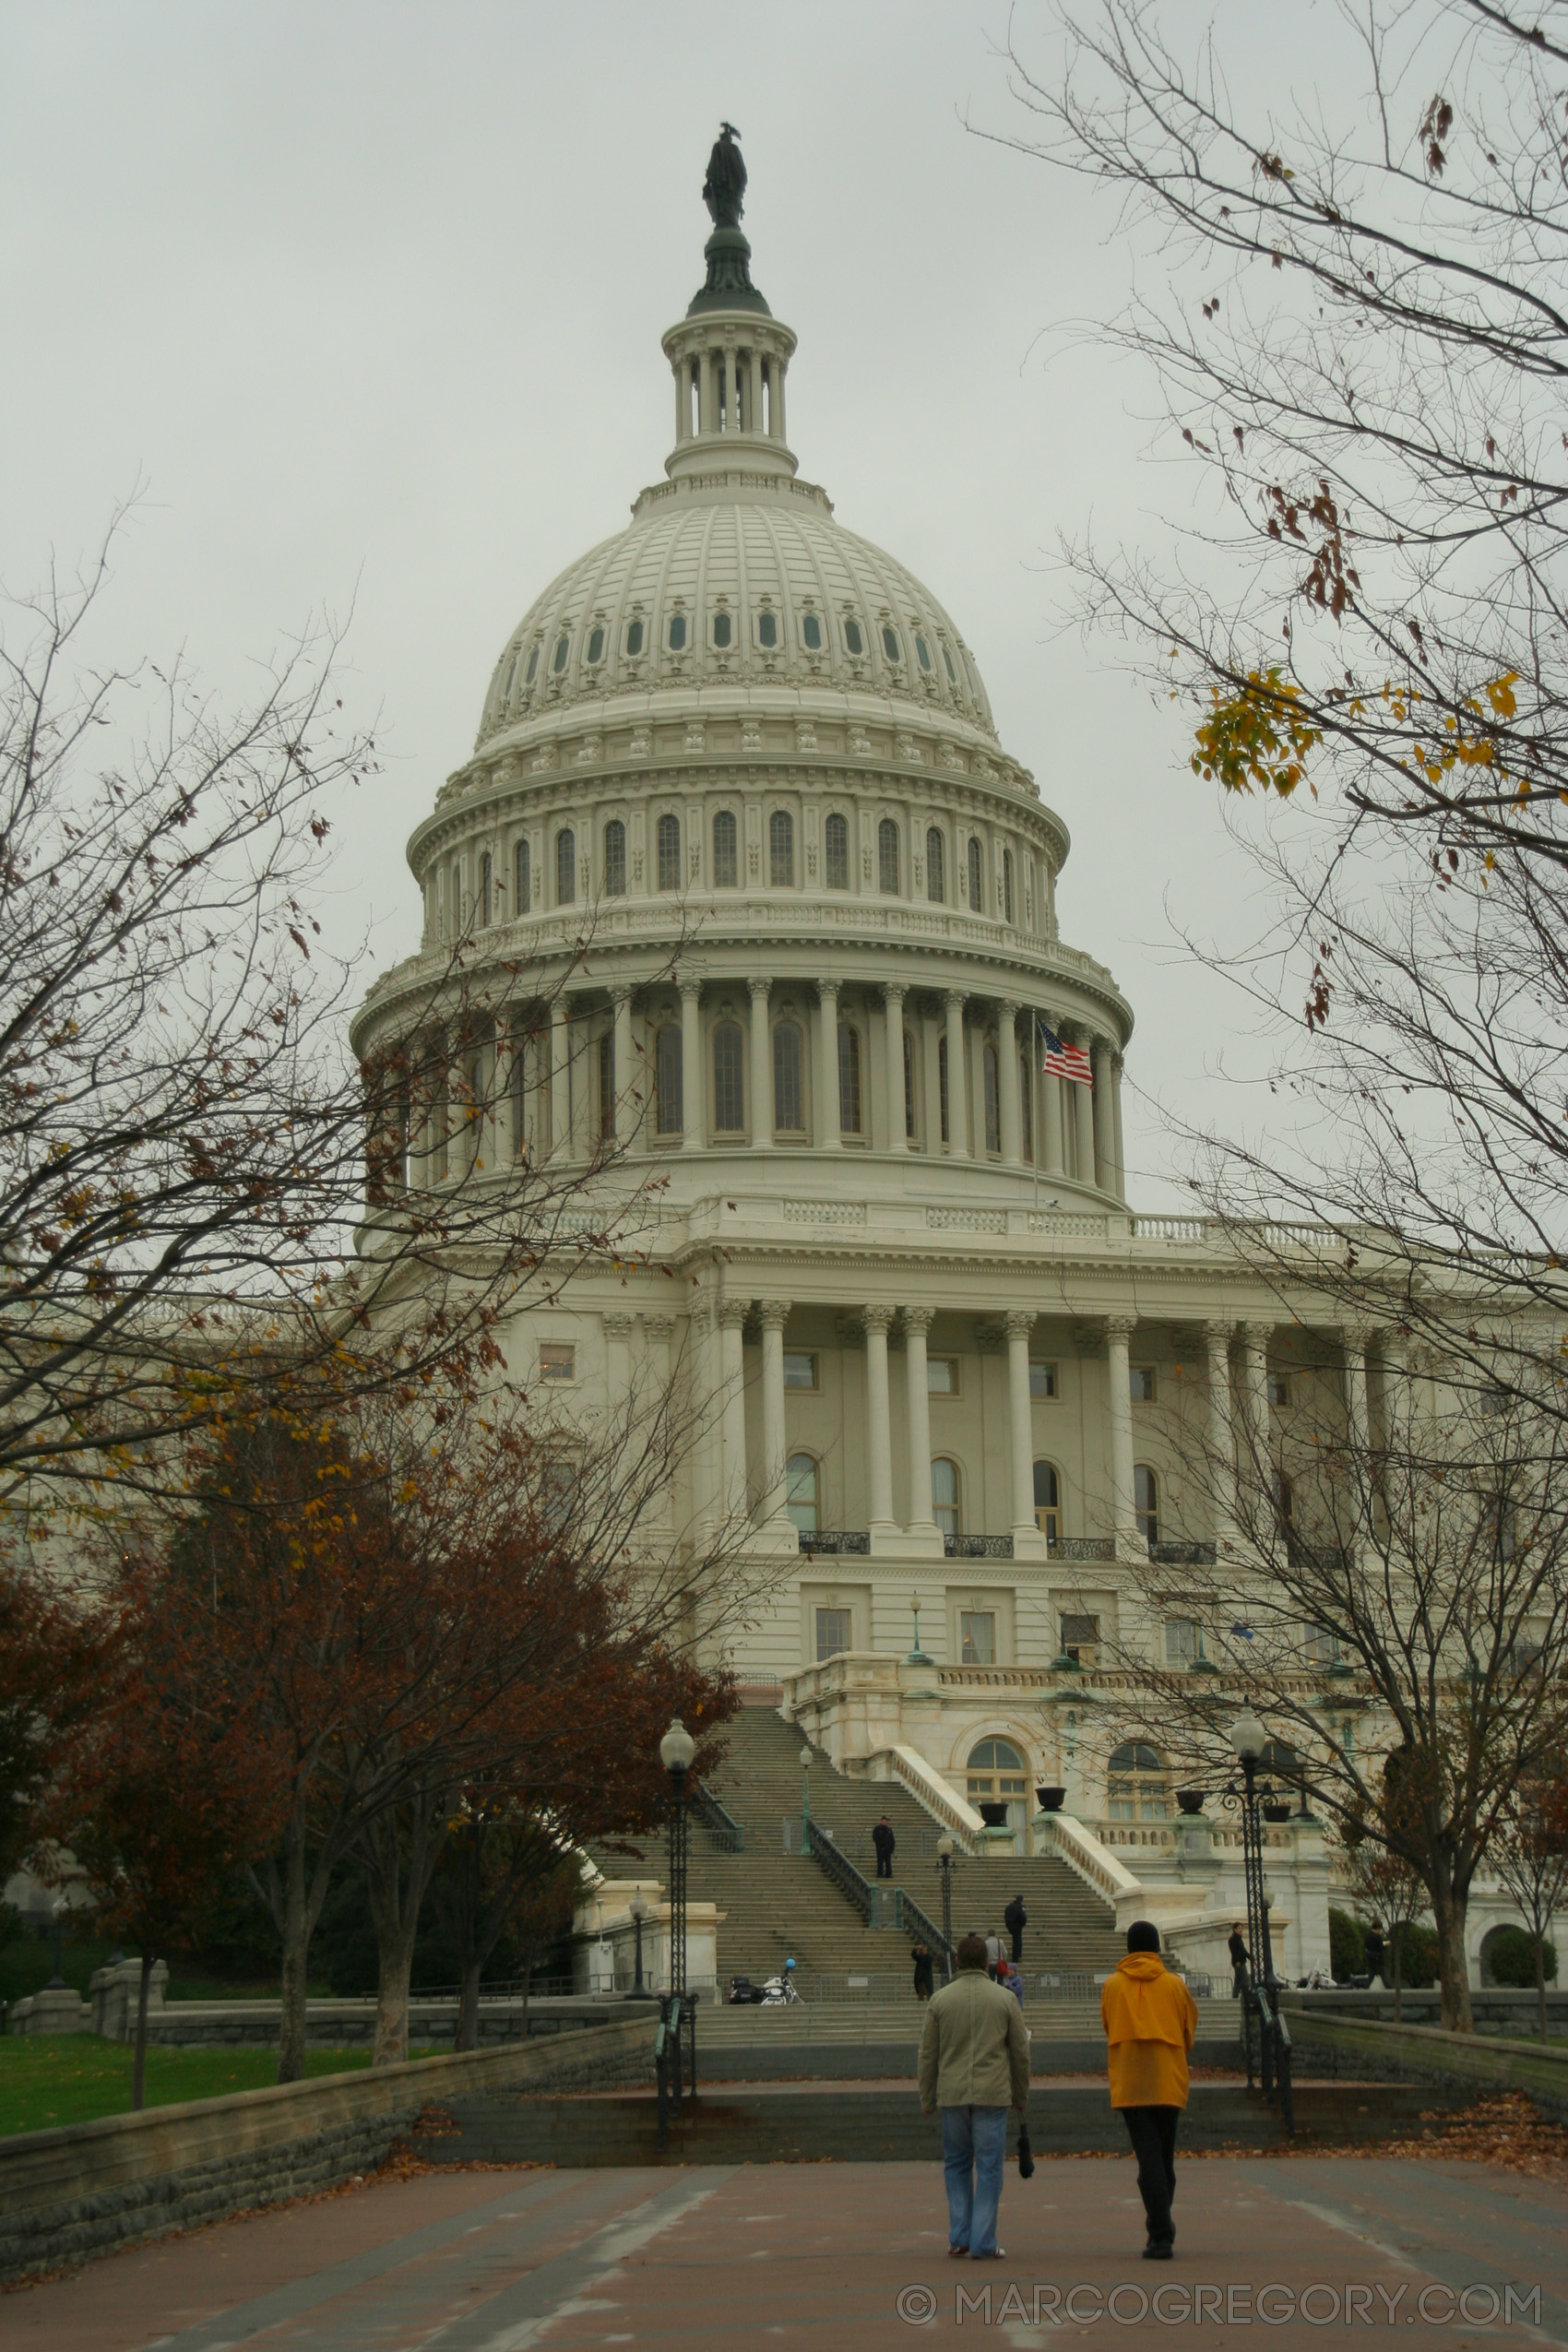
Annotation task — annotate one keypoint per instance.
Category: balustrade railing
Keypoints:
(826, 1541)
(977, 1547)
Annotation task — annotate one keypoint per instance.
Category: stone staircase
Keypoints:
(777, 1904)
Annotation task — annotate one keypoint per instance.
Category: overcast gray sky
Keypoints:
(369, 297)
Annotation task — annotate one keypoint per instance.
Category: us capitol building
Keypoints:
(751, 759)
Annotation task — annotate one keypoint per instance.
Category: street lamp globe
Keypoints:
(805, 1759)
(637, 1906)
(944, 1848)
(1248, 1738)
(677, 1748)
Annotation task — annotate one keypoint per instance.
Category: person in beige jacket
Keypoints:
(974, 2065)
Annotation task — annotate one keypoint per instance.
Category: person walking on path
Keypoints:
(1238, 1952)
(974, 2065)
(1015, 1919)
(925, 1985)
(1373, 1951)
(1149, 2018)
(881, 1837)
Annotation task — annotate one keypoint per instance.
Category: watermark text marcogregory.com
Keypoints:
(1174, 2303)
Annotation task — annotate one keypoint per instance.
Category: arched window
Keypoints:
(566, 867)
(563, 647)
(800, 1492)
(729, 1096)
(1007, 885)
(596, 646)
(486, 890)
(789, 1080)
(890, 644)
(678, 633)
(670, 1109)
(767, 631)
(996, 1773)
(888, 858)
(835, 852)
(781, 850)
(1279, 1761)
(945, 1494)
(942, 1083)
(853, 642)
(811, 632)
(614, 859)
(1048, 1501)
(607, 1086)
(848, 1079)
(634, 640)
(1146, 1502)
(923, 653)
(522, 879)
(976, 894)
(909, 1084)
(992, 1068)
(669, 839)
(721, 631)
(935, 881)
(1137, 1785)
(726, 858)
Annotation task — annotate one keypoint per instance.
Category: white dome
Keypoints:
(734, 580)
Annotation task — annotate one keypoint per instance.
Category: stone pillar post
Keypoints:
(1007, 1083)
(762, 1067)
(1221, 1444)
(1121, 1148)
(694, 1078)
(775, 1315)
(618, 1363)
(894, 993)
(1104, 1129)
(1083, 1112)
(917, 1323)
(827, 1133)
(879, 1430)
(1119, 1331)
(731, 1360)
(1019, 1323)
(560, 1082)
(957, 1080)
(626, 1105)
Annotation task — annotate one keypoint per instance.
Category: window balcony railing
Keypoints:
(977, 1547)
(825, 1541)
(1082, 1547)
(1182, 1555)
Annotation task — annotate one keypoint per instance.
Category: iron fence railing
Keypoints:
(977, 1547)
(841, 1873)
(718, 1820)
(823, 1540)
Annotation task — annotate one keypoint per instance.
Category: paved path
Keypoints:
(717, 2259)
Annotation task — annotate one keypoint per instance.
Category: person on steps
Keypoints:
(881, 1837)
(1015, 1919)
(924, 1980)
(1149, 2018)
(974, 2065)
(1238, 1951)
(992, 1955)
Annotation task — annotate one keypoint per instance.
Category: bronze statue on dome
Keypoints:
(726, 183)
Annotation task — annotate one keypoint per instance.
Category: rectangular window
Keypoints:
(1278, 1388)
(1141, 1384)
(1042, 1379)
(941, 1375)
(800, 1370)
(1080, 1639)
(977, 1637)
(1183, 1644)
(832, 1632)
(557, 1361)
(1323, 1646)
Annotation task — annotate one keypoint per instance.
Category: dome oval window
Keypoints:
(767, 631)
(952, 673)
(596, 646)
(634, 640)
(890, 644)
(810, 630)
(563, 645)
(678, 634)
(853, 641)
(923, 654)
(721, 630)
(532, 672)
(511, 673)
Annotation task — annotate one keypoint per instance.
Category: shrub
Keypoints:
(1418, 1957)
(1511, 1957)
(1347, 1947)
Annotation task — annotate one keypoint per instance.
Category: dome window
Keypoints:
(721, 631)
(835, 847)
(565, 869)
(923, 654)
(669, 845)
(563, 645)
(789, 1080)
(595, 646)
(726, 857)
(678, 634)
(532, 670)
(781, 850)
(767, 631)
(511, 675)
(890, 644)
(888, 858)
(952, 673)
(523, 880)
(853, 641)
(935, 878)
(811, 631)
(615, 858)
(977, 894)
(729, 1097)
(634, 640)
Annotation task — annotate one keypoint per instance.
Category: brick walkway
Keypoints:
(819, 2255)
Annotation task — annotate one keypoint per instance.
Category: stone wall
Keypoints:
(1347, 2049)
(73, 2192)
(1497, 2009)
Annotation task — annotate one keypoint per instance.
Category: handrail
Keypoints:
(933, 1795)
(1082, 1851)
(718, 1820)
(838, 1868)
(908, 1916)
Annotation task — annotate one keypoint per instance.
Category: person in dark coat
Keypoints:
(1238, 1952)
(1015, 1919)
(1373, 1951)
(881, 1837)
(924, 1982)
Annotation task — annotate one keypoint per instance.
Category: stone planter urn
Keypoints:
(993, 1812)
(1191, 1801)
(1276, 1811)
(1050, 1801)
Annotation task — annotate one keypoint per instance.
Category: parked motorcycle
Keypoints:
(743, 1993)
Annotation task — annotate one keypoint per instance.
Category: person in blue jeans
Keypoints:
(974, 2066)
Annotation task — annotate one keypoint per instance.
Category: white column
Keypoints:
(694, 1078)
(957, 1080)
(1020, 1323)
(917, 1323)
(732, 1487)
(560, 1082)
(657, 1332)
(1222, 1433)
(1083, 1112)
(1119, 1330)
(1007, 1082)
(762, 1068)
(1104, 1132)
(879, 1427)
(930, 1132)
(827, 1134)
(1120, 1184)
(775, 1315)
(894, 993)
(626, 1105)
(1253, 1419)
(1358, 1423)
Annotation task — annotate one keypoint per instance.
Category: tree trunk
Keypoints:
(468, 2007)
(295, 1927)
(391, 2048)
(1540, 1982)
(1399, 1977)
(138, 2063)
(1458, 2016)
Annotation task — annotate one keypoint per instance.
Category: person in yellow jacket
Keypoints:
(974, 2065)
(1149, 2018)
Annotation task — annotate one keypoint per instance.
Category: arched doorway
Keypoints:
(996, 1773)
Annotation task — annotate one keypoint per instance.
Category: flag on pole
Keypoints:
(1064, 1061)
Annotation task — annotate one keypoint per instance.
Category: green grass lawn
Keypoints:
(70, 2078)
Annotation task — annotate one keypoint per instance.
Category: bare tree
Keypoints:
(1379, 1875)
(1530, 1858)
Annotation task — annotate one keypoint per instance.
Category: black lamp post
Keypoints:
(944, 1858)
(637, 1906)
(1248, 1738)
(676, 1752)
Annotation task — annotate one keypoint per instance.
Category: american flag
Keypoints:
(1064, 1061)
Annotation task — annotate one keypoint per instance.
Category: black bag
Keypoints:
(1026, 2153)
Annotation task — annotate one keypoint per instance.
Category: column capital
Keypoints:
(1252, 1332)
(1121, 1326)
(659, 1327)
(956, 996)
(762, 988)
(689, 984)
(622, 993)
(1218, 1334)
(895, 990)
(876, 1318)
(1019, 1323)
(732, 1314)
(919, 1319)
(618, 1326)
(826, 988)
(774, 1312)
(1007, 1008)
